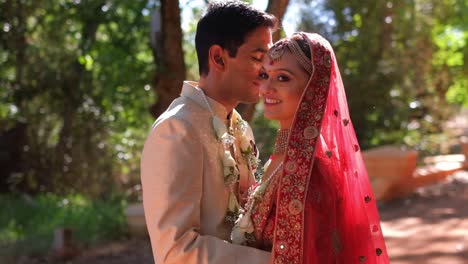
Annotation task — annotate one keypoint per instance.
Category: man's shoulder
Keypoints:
(183, 111)
(183, 108)
(183, 120)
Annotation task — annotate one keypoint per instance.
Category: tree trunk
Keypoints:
(73, 98)
(12, 142)
(277, 8)
(169, 57)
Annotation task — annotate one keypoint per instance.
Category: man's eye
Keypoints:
(257, 59)
(283, 78)
(263, 76)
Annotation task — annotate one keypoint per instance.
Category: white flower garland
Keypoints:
(230, 171)
(242, 232)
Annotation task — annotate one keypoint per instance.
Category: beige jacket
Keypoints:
(184, 195)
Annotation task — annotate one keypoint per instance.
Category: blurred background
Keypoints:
(81, 82)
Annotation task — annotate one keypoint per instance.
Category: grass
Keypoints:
(27, 224)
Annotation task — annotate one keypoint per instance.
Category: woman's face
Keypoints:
(285, 80)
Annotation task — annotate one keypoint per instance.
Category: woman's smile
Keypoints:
(267, 101)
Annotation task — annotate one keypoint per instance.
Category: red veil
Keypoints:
(323, 205)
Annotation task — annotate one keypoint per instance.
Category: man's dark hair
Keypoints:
(227, 24)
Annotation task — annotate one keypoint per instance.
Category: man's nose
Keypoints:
(265, 87)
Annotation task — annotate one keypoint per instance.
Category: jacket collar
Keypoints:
(191, 90)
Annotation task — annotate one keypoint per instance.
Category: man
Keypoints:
(183, 172)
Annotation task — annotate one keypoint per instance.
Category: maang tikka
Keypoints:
(277, 51)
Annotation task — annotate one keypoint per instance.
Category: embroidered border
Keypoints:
(292, 189)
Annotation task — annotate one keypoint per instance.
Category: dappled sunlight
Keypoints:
(430, 226)
(81, 83)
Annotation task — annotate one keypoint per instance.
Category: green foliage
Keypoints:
(403, 64)
(265, 133)
(449, 43)
(27, 224)
(188, 45)
(77, 73)
(458, 92)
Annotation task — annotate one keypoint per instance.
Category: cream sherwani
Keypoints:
(184, 195)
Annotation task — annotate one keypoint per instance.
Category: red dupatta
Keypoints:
(325, 207)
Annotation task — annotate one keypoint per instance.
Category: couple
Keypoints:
(313, 204)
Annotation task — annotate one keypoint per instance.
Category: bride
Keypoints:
(314, 203)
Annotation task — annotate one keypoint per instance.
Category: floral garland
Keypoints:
(242, 232)
(249, 152)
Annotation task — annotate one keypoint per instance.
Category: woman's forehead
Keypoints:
(287, 60)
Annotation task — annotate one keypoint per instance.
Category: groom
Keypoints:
(190, 179)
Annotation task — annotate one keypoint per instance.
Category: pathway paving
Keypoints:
(431, 226)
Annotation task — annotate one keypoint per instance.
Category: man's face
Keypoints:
(241, 76)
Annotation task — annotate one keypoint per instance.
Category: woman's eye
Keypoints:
(283, 78)
(263, 76)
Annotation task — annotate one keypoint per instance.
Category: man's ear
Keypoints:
(217, 57)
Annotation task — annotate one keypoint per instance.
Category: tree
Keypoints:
(404, 56)
(61, 80)
(168, 55)
(169, 58)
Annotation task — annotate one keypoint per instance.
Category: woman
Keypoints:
(314, 203)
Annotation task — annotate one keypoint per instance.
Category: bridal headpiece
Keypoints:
(298, 46)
